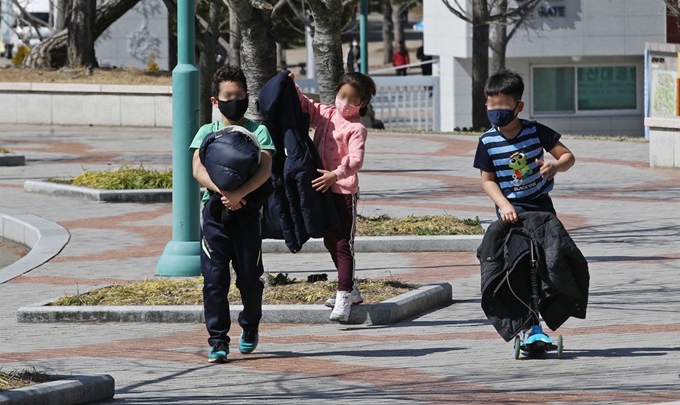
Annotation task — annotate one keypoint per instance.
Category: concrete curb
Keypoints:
(66, 390)
(363, 244)
(91, 194)
(45, 238)
(390, 311)
(388, 244)
(12, 159)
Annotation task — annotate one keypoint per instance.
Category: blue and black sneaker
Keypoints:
(218, 353)
(248, 341)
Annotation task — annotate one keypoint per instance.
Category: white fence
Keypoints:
(401, 102)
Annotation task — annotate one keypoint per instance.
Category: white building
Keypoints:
(583, 67)
(136, 38)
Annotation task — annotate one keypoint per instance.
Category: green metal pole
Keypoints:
(181, 254)
(363, 38)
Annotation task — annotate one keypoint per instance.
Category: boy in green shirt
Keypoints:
(225, 242)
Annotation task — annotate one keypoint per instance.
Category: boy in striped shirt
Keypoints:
(510, 154)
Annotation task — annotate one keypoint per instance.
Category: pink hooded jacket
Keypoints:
(340, 142)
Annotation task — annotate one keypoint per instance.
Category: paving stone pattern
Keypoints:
(621, 213)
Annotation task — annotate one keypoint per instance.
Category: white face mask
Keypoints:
(354, 44)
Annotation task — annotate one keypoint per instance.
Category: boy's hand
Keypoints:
(291, 75)
(508, 214)
(324, 182)
(233, 200)
(548, 170)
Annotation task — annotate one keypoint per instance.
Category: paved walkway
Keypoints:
(621, 213)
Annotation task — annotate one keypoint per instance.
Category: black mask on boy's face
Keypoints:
(234, 110)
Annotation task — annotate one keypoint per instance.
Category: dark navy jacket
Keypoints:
(230, 156)
(563, 273)
(295, 212)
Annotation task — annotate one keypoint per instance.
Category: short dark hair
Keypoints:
(505, 82)
(363, 84)
(227, 73)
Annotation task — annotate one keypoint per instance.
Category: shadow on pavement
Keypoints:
(621, 352)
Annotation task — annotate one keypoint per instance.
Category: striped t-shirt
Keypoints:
(514, 160)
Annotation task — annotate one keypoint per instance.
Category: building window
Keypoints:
(554, 90)
(606, 88)
(570, 90)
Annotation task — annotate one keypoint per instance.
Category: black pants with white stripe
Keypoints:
(340, 241)
(241, 244)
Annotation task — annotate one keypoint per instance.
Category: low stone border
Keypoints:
(91, 194)
(45, 238)
(65, 390)
(387, 312)
(12, 159)
(364, 244)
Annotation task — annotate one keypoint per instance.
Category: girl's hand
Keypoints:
(324, 182)
(291, 75)
(548, 170)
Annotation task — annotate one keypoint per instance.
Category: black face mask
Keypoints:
(234, 110)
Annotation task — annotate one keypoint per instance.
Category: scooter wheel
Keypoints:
(559, 347)
(517, 347)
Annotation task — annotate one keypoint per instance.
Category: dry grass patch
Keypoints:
(122, 178)
(384, 225)
(3, 150)
(164, 291)
(121, 76)
(21, 378)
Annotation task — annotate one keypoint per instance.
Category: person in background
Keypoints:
(400, 58)
(426, 68)
(354, 57)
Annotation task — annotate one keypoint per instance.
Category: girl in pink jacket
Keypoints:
(339, 136)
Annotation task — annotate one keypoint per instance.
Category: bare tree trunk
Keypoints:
(63, 10)
(327, 44)
(396, 21)
(51, 53)
(499, 39)
(280, 57)
(258, 49)
(234, 40)
(81, 34)
(206, 61)
(172, 40)
(480, 62)
(387, 32)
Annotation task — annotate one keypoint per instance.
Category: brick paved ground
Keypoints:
(621, 213)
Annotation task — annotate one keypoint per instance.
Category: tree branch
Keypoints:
(278, 6)
(299, 15)
(459, 11)
(521, 9)
(32, 20)
(518, 23)
(673, 7)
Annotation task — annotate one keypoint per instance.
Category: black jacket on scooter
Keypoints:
(296, 211)
(505, 258)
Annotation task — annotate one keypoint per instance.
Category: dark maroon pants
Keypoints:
(340, 241)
